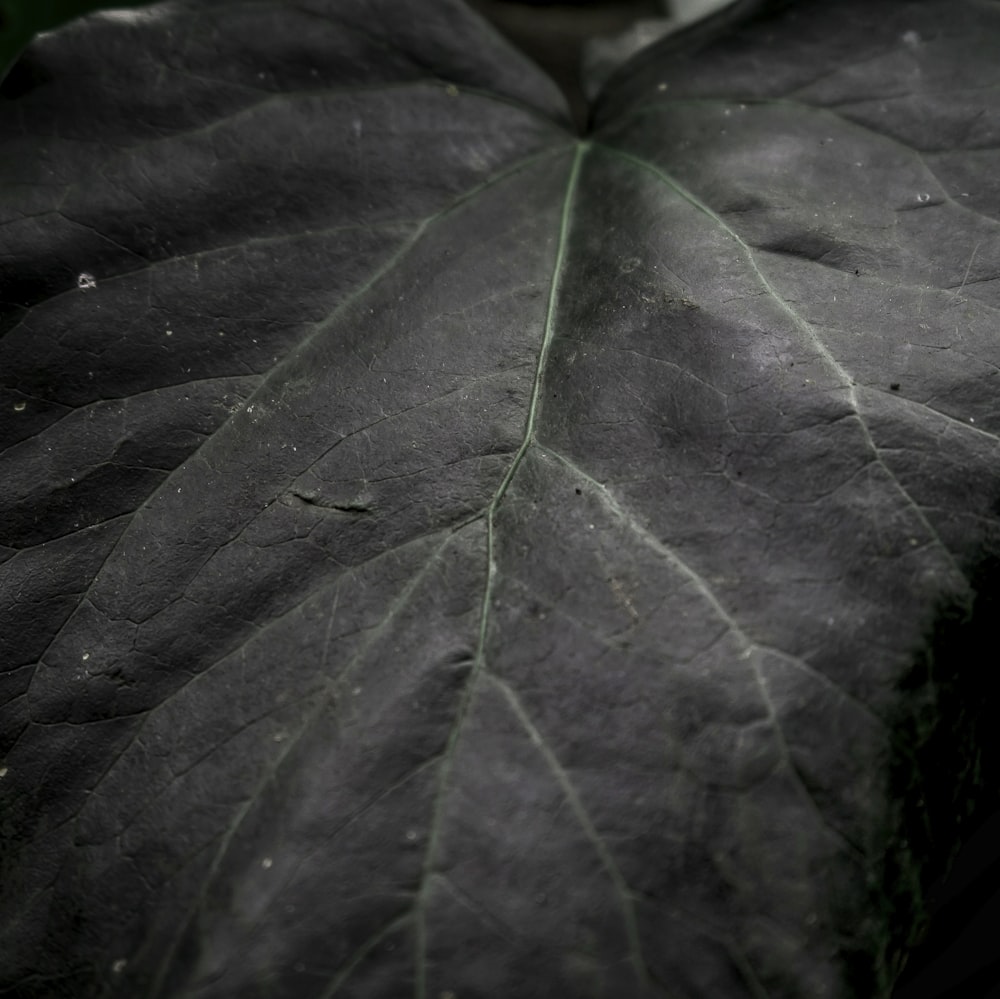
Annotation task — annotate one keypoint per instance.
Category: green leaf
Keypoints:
(446, 555)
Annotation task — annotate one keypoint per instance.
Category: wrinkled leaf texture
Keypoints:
(444, 556)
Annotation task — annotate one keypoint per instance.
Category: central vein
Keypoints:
(534, 406)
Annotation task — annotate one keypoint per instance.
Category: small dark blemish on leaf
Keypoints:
(579, 491)
(857, 271)
(894, 386)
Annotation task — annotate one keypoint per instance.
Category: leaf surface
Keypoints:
(446, 556)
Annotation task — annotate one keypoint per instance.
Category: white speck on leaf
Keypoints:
(3, 772)
(86, 656)
(118, 966)
(451, 90)
(19, 407)
(411, 834)
(912, 38)
(85, 281)
(266, 863)
(923, 197)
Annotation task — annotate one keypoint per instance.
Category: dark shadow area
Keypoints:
(24, 76)
(946, 777)
(959, 954)
(552, 35)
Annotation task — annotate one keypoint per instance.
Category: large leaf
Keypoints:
(444, 556)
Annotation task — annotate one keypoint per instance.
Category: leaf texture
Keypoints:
(447, 557)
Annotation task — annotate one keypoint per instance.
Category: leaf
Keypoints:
(20, 20)
(446, 556)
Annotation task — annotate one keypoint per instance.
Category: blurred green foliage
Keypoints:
(21, 20)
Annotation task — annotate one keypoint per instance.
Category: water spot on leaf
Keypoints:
(85, 281)
(19, 407)
(923, 197)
